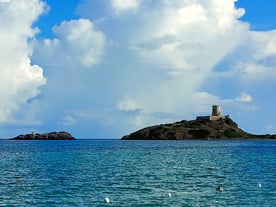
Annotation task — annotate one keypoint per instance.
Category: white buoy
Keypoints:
(169, 194)
(259, 185)
(107, 200)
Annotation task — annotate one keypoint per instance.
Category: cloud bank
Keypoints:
(152, 62)
(182, 41)
(69, 60)
(20, 80)
(193, 54)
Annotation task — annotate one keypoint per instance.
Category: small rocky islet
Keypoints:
(46, 136)
(214, 127)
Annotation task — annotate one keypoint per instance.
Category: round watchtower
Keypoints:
(216, 110)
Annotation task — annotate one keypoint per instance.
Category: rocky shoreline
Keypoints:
(45, 136)
(222, 129)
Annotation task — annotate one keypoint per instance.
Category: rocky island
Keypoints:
(46, 136)
(214, 127)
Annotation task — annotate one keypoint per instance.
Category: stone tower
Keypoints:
(216, 110)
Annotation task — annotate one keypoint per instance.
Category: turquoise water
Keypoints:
(137, 173)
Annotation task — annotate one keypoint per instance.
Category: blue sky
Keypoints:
(260, 14)
(105, 68)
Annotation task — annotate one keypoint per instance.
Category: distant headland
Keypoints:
(46, 136)
(214, 127)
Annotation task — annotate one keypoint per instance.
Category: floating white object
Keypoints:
(259, 185)
(169, 194)
(107, 200)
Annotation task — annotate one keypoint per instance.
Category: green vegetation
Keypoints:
(199, 133)
(232, 133)
(224, 128)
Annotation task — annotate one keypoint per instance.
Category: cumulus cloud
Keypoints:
(175, 58)
(124, 5)
(186, 40)
(257, 63)
(68, 61)
(188, 37)
(19, 79)
(77, 43)
(171, 60)
(127, 104)
(244, 97)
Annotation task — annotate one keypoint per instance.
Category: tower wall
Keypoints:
(216, 111)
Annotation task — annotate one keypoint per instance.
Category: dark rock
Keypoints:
(222, 129)
(46, 136)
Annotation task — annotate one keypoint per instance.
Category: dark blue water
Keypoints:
(137, 173)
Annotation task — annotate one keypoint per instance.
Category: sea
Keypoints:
(137, 173)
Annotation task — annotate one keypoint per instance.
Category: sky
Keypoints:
(106, 68)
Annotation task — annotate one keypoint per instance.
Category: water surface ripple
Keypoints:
(137, 173)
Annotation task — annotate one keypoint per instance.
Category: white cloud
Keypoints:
(244, 97)
(67, 60)
(186, 39)
(19, 79)
(127, 104)
(255, 61)
(173, 58)
(124, 5)
(78, 43)
(164, 61)
(26, 115)
(268, 127)
(68, 120)
(193, 36)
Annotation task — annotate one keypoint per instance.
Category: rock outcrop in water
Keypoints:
(46, 136)
(201, 129)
